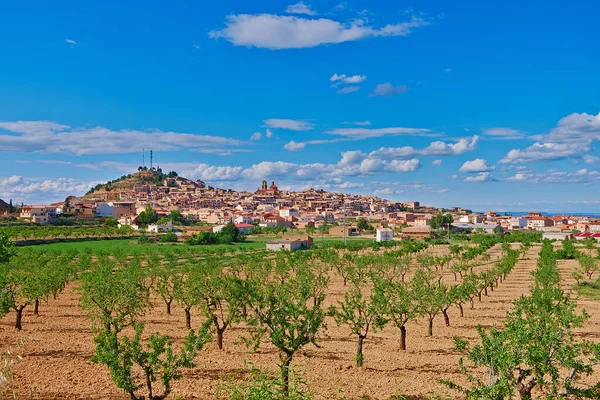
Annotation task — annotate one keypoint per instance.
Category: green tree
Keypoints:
(283, 312)
(361, 313)
(363, 225)
(176, 217)
(398, 305)
(441, 221)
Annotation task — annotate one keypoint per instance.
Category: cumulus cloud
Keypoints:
(436, 162)
(354, 79)
(546, 152)
(294, 146)
(476, 165)
(299, 8)
(437, 148)
(387, 90)
(277, 32)
(268, 133)
(50, 137)
(581, 176)
(256, 136)
(571, 138)
(290, 124)
(348, 89)
(207, 172)
(30, 190)
(480, 177)
(503, 133)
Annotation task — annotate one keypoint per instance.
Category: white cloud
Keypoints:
(403, 165)
(71, 41)
(294, 146)
(50, 137)
(351, 158)
(590, 159)
(354, 79)
(29, 190)
(476, 165)
(546, 152)
(447, 70)
(299, 8)
(348, 89)
(206, 172)
(436, 162)
(363, 133)
(572, 138)
(290, 124)
(503, 133)
(268, 133)
(481, 177)
(256, 136)
(580, 177)
(359, 123)
(286, 32)
(438, 148)
(387, 90)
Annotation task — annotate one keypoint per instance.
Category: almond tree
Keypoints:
(398, 304)
(361, 312)
(284, 312)
(431, 296)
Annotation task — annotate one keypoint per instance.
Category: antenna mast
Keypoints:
(150, 159)
(143, 157)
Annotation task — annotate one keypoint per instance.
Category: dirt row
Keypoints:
(57, 346)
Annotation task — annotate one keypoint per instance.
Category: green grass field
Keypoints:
(252, 243)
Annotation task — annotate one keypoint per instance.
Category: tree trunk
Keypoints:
(430, 327)
(472, 303)
(446, 317)
(36, 307)
(402, 337)
(188, 318)
(285, 374)
(168, 303)
(479, 296)
(18, 323)
(220, 332)
(359, 351)
(149, 385)
(462, 312)
(485, 291)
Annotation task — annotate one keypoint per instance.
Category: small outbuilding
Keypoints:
(384, 235)
(289, 244)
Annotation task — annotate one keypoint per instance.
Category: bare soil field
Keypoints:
(57, 347)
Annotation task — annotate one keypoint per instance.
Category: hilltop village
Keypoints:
(125, 198)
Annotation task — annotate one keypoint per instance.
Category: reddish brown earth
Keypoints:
(57, 346)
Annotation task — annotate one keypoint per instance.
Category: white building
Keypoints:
(288, 212)
(517, 222)
(160, 227)
(289, 245)
(384, 235)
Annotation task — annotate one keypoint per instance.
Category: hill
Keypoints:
(3, 206)
(142, 177)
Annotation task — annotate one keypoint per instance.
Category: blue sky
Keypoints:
(487, 106)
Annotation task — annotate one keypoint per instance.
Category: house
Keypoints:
(244, 228)
(416, 232)
(288, 244)
(539, 222)
(384, 235)
(288, 212)
(422, 222)
(160, 227)
(517, 222)
(585, 235)
(339, 230)
(38, 214)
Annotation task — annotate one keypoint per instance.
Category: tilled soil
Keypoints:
(57, 346)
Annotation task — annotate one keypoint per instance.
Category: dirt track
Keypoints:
(58, 345)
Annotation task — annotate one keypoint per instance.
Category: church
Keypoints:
(271, 190)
